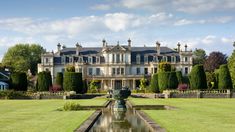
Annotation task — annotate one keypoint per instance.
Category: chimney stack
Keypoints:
(104, 43)
(78, 48)
(178, 46)
(58, 47)
(158, 47)
(185, 47)
(129, 42)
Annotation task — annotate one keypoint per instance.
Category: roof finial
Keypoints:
(117, 42)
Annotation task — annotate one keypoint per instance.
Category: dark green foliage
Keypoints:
(154, 83)
(59, 79)
(214, 60)
(231, 65)
(198, 78)
(73, 82)
(211, 80)
(179, 77)
(19, 81)
(164, 67)
(199, 56)
(172, 81)
(11, 94)
(22, 57)
(85, 86)
(163, 80)
(44, 81)
(225, 81)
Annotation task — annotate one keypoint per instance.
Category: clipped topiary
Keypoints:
(44, 81)
(172, 81)
(59, 79)
(19, 81)
(179, 77)
(211, 80)
(164, 67)
(154, 83)
(225, 81)
(198, 78)
(73, 82)
(163, 80)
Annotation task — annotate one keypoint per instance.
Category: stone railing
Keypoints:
(199, 94)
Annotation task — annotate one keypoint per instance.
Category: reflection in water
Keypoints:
(119, 121)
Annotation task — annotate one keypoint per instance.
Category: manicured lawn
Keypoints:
(41, 115)
(193, 115)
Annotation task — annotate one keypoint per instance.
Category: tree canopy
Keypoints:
(214, 60)
(231, 65)
(22, 57)
(199, 56)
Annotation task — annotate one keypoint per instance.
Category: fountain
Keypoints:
(119, 95)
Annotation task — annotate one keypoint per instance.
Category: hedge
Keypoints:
(154, 83)
(59, 79)
(163, 80)
(19, 81)
(198, 77)
(172, 81)
(44, 81)
(225, 81)
(73, 82)
(179, 77)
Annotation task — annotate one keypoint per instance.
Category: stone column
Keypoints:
(134, 87)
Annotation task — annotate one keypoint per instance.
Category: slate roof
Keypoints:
(142, 51)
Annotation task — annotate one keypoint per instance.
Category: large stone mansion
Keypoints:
(115, 65)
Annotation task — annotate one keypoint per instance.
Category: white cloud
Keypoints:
(209, 39)
(183, 22)
(101, 7)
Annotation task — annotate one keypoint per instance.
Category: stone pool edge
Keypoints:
(148, 121)
(89, 122)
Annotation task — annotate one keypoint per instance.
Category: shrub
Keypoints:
(154, 83)
(59, 79)
(198, 77)
(182, 87)
(211, 80)
(10, 94)
(172, 81)
(93, 86)
(44, 81)
(71, 106)
(70, 68)
(19, 81)
(73, 82)
(163, 80)
(225, 81)
(164, 67)
(179, 77)
(143, 83)
(55, 88)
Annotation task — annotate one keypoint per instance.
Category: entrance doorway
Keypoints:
(118, 84)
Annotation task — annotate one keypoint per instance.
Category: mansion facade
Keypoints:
(115, 66)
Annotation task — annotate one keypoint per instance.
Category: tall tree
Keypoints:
(231, 65)
(198, 77)
(22, 57)
(225, 81)
(199, 56)
(214, 60)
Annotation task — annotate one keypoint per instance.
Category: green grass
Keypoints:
(42, 116)
(193, 115)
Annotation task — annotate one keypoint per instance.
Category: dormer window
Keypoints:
(173, 58)
(186, 59)
(47, 60)
(138, 59)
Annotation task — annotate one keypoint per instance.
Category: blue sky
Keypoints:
(207, 24)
